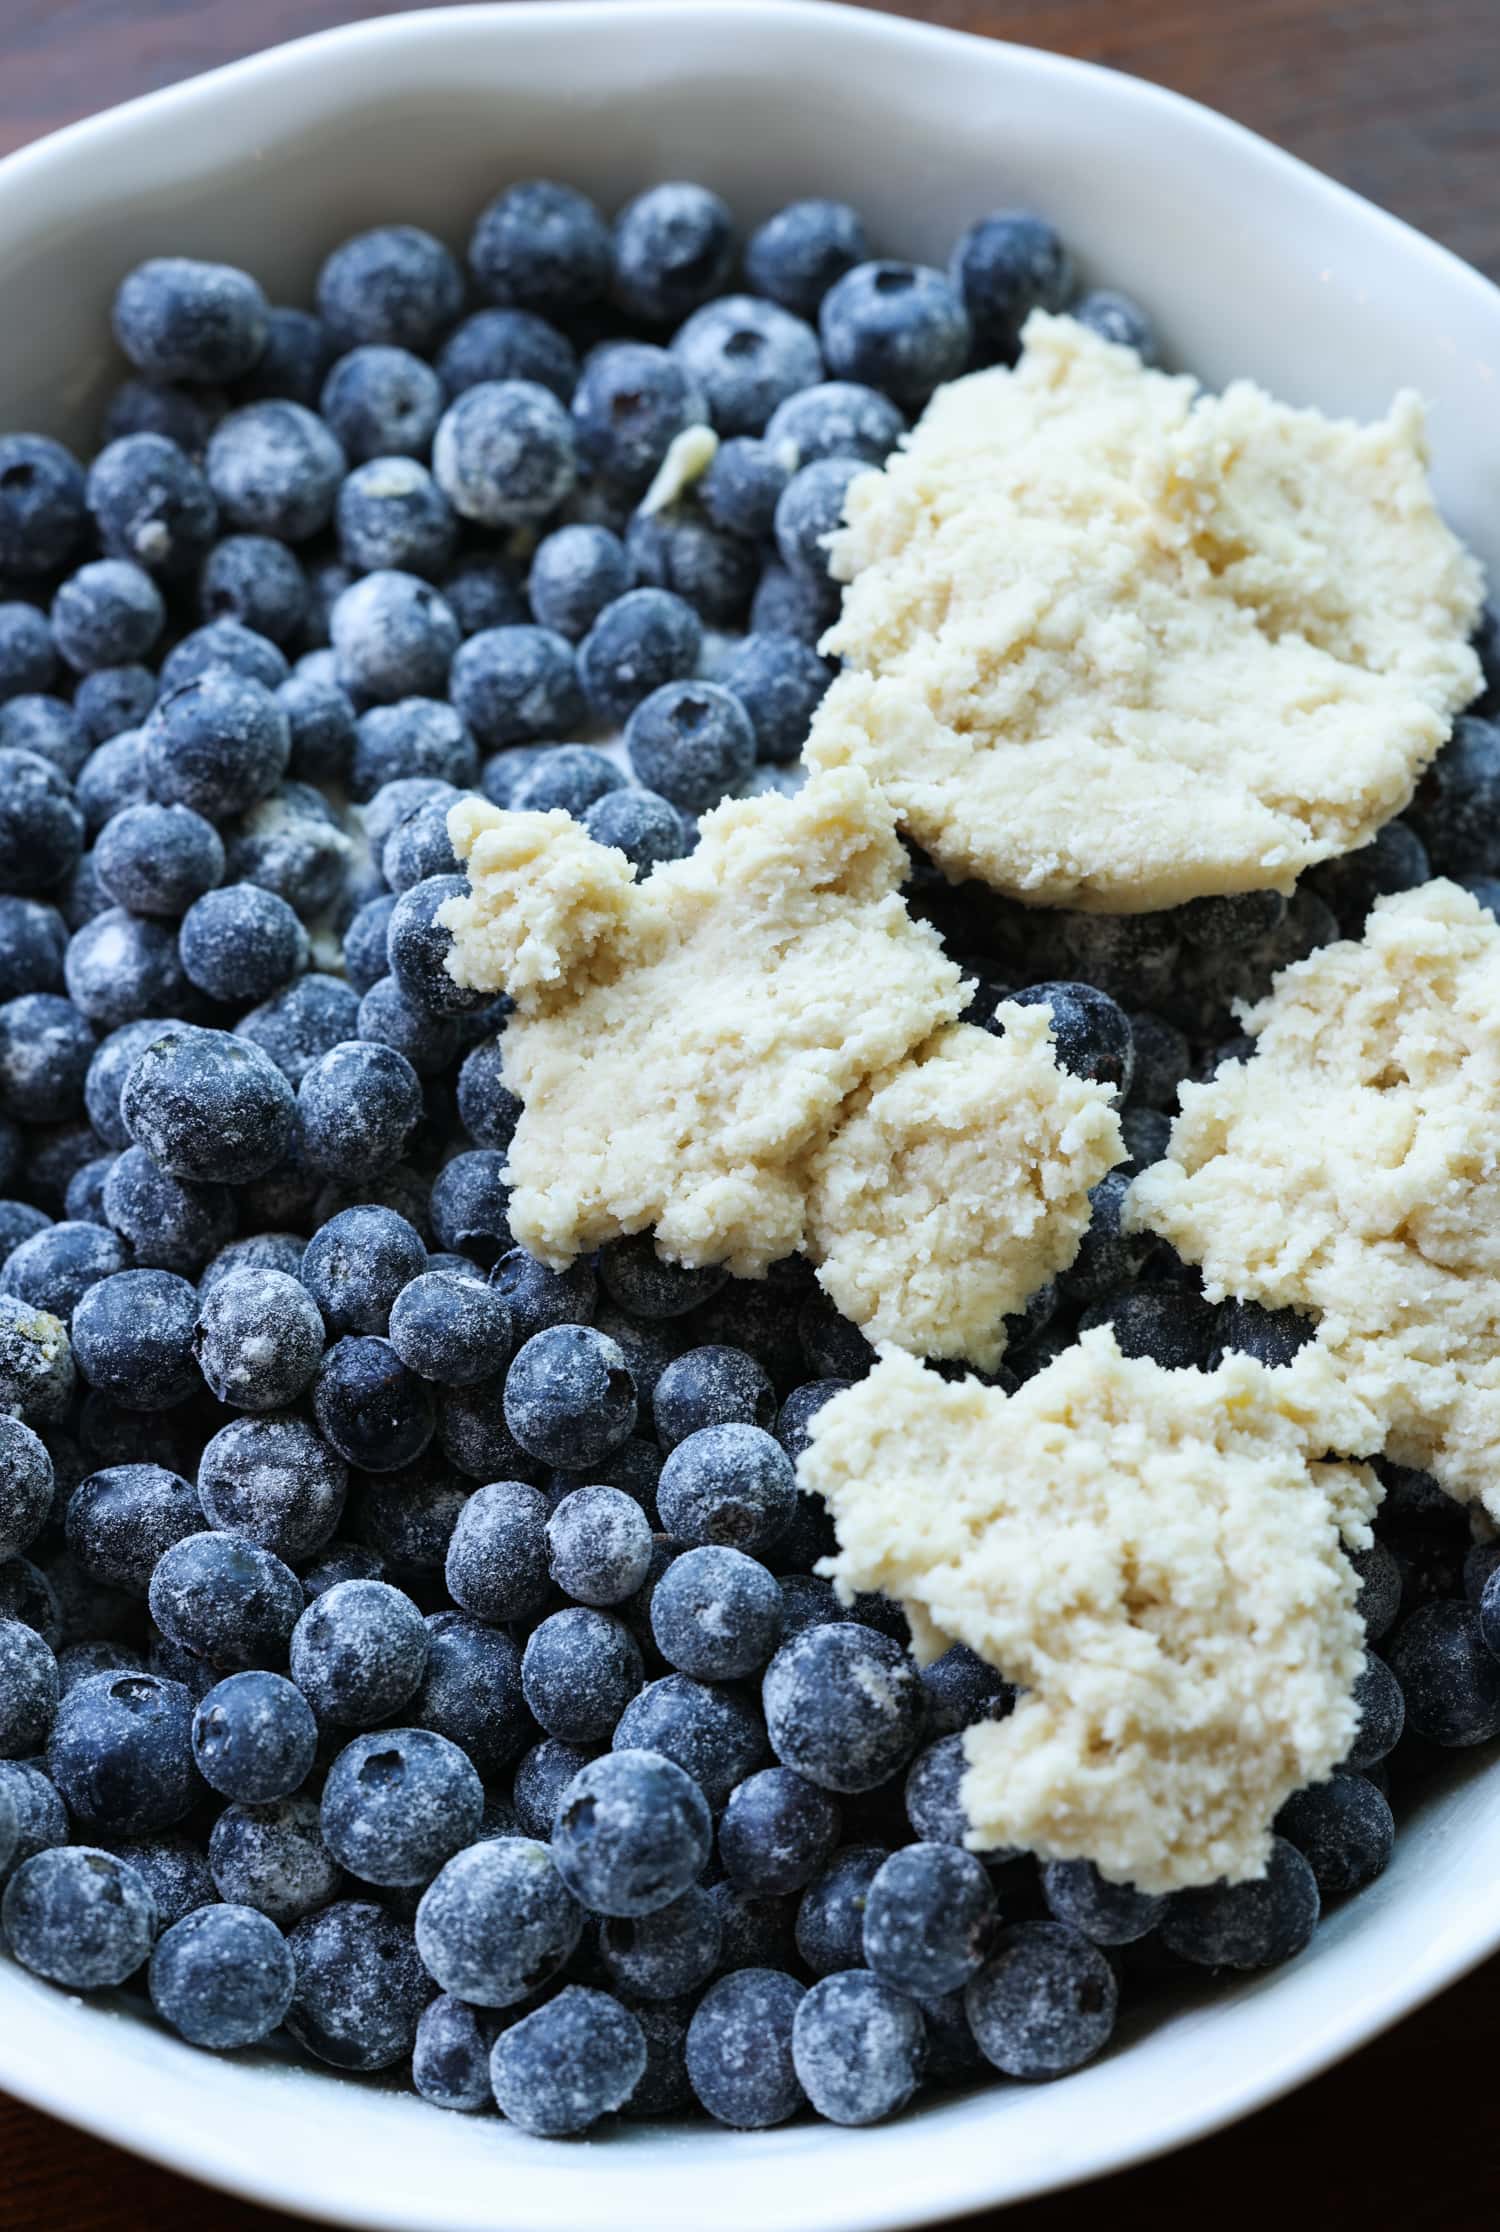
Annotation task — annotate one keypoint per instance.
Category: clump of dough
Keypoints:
(1152, 1555)
(1351, 1169)
(755, 1051)
(1113, 644)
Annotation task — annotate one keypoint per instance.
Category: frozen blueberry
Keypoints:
(240, 943)
(797, 255)
(365, 960)
(121, 1753)
(809, 510)
(1379, 1597)
(1045, 2002)
(156, 860)
(1109, 1256)
(392, 513)
(475, 1437)
(272, 1480)
(777, 1831)
(577, 2058)
(497, 1565)
(26, 1485)
(32, 1815)
(177, 319)
(716, 1614)
(471, 1692)
(898, 327)
(254, 1737)
(224, 644)
(258, 1340)
(108, 614)
(299, 1024)
(55, 1268)
(507, 345)
(1272, 1337)
(416, 741)
(1251, 1925)
(570, 776)
(742, 485)
(711, 1733)
(575, 573)
(1003, 268)
(599, 1545)
(691, 742)
(831, 1912)
(1108, 1913)
(746, 356)
(1450, 1682)
(1394, 860)
(666, 1953)
(46, 1047)
(41, 828)
(121, 1520)
(356, 1105)
(41, 504)
(739, 2049)
(1344, 1830)
(320, 719)
(341, 1561)
(960, 1689)
(930, 1914)
(222, 1977)
(569, 1397)
(839, 418)
(711, 1386)
(291, 843)
(419, 846)
(1168, 1323)
(113, 702)
(730, 1484)
(29, 1690)
(1114, 317)
(151, 503)
(28, 656)
(216, 743)
(272, 1857)
(358, 1653)
(449, 1328)
(450, 2062)
(673, 249)
(498, 1922)
(537, 1297)
(394, 637)
(579, 1671)
(225, 1599)
(360, 1986)
(274, 469)
(543, 1774)
(643, 641)
(469, 1205)
(207, 1107)
(398, 1803)
(504, 453)
(394, 286)
(780, 682)
(381, 402)
(175, 1872)
(858, 2047)
(677, 549)
(294, 357)
(374, 1411)
(132, 1336)
(517, 685)
(482, 593)
(630, 404)
(843, 1706)
(632, 1832)
(79, 1917)
(542, 247)
(171, 1225)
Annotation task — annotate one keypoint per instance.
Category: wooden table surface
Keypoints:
(1399, 99)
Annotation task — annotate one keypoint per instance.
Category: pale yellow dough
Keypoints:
(1352, 1170)
(1152, 1555)
(1112, 644)
(754, 1052)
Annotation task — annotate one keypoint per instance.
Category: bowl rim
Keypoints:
(187, 2148)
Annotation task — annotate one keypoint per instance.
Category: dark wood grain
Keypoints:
(1399, 99)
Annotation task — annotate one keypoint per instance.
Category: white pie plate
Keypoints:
(1251, 263)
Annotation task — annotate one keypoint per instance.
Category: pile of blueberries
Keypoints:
(402, 1644)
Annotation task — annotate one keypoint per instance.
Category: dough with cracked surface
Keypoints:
(1351, 1169)
(1152, 1555)
(744, 1051)
(1113, 644)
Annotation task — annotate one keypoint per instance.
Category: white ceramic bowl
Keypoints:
(1251, 263)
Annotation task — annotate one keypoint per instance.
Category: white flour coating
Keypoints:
(1152, 1555)
(1113, 644)
(724, 1054)
(1352, 1170)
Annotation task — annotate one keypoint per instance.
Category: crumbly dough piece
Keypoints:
(1152, 1555)
(1113, 644)
(1352, 1170)
(725, 1053)
(958, 1185)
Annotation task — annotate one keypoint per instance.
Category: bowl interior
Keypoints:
(1251, 264)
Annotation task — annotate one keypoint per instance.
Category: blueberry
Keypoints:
(1168, 1323)
(711, 1733)
(843, 1706)
(577, 2058)
(839, 418)
(1379, 1597)
(273, 1858)
(517, 685)
(1458, 799)
(780, 682)
(1395, 859)
(575, 573)
(810, 508)
(678, 549)
(961, 1688)
(1451, 1683)
(374, 1411)
(177, 413)
(355, 1106)
(222, 1977)
(673, 249)
(274, 469)
(542, 1775)
(28, 656)
(156, 860)
(175, 1872)
(79, 1917)
(579, 1670)
(417, 847)
(1114, 317)
(226, 1599)
(121, 1520)
(293, 360)
(930, 1915)
(1107, 1913)
(132, 1336)
(26, 1485)
(256, 581)
(746, 356)
(46, 1047)
(716, 1614)
(241, 943)
(151, 503)
(739, 2049)
(392, 513)
(108, 614)
(113, 702)
(599, 1545)
(254, 1737)
(797, 255)
(858, 2047)
(121, 1753)
(481, 593)
(498, 1922)
(33, 937)
(1045, 2002)
(341, 1561)
(119, 967)
(649, 1286)
(742, 485)
(448, 1328)
(536, 1297)
(1251, 1925)
(216, 744)
(1344, 1830)
(777, 1833)
(569, 1398)
(381, 402)
(641, 642)
(450, 2062)
(365, 961)
(41, 504)
(258, 1340)
(571, 776)
(416, 741)
(1003, 268)
(504, 454)
(54, 1269)
(1272, 1337)
(729, 1484)
(475, 1437)
(360, 1987)
(898, 327)
(711, 1386)
(398, 1803)
(691, 742)
(29, 1690)
(320, 721)
(1108, 1256)
(272, 1480)
(180, 320)
(207, 1107)
(36, 1363)
(394, 637)
(664, 1954)
(297, 1025)
(630, 404)
(631, 1834)
(507, 345)
(395, 285)
(41, 828)
(47, 728)
(471, 1692)
(497, 1564)
(469, 1205)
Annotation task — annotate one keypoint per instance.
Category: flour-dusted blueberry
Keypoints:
(648, 1285)
(360, 1986)
(177, 319)
(418, 945)
(275, 1481)
(365, 960)
(449, 1328)
(226, 1599)
(663, 2090)
(151, 503)
(407, 755)
(647, 828)
(810, 508)
(79, 1917)
(381, 402)
(1115, 317)
(1344, 1830)
(712, 1733)
(640, 643)
(394, 286)
(780, 682)
(50, 729)
(207, 1107)
(33, 938)
(272, 1857)
(83, 1197)
(739, 2049)
(171, 1225)
(930, 1914)
(839, 418)
(113, 701)
(745, 356)
(1046, 2000)
(120, 1520)
(471, 1692)
(27, 1483)
(729, 1484)
(742, 485)
(800, 252)
(898, 327)
(224, 643)
(475, 1437)
(516, 684)
(777, 1832)
(630, 404)
(858, 2047)
(356, 1106)
(358, 1653)
(320, 717)
(497, 1565)
(1003, 268)
(1159, 1319)
(107, 614)
(498, 1922)
(961, 1688)
(301, 1023)
(41, 504)
(470, 1206)
(1091, 1034)
(133, 1334)
(504, 454)
(678, 549)
(111, 778)
(1108, 1913)
(450, 2062)
(36, 1363)
(290, 842)
(241, 943)
(419, 847)
(394, 637)
(1272, 1337)
(392, 513)
(543, 1774)
(373, 1410)
(216, 744)
(569, 1397)
(274, 469)
(294, 358)
(1256, 1924)
(41, 828)
(54, 1269)
(1395, 859)
(575, 573)
(1379, 1598)
(33, 1817)
(1450, 1681)
(570, 776)
(357, 1263)
(483, 593)
(505, 344)
(631, 1833)
(540, 246)
(673, 249)
(254, 1736)
(537, 1297)
(29, 1690)
(664, 1954)
(1457, 800)
(843, 1706)
(711, 1386)
(579, 1671)
(28, 655)
(691, 742)
(1109, 1255)
(156, 860)
(222, 1977)
(121, 1753)
(398, 1803)
(341, 1561)
(577, 2058)
(716, 1614)
(108, 1069)
(599, 1545)
(46, 1047)
(175, 1872)
(831, 1912)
